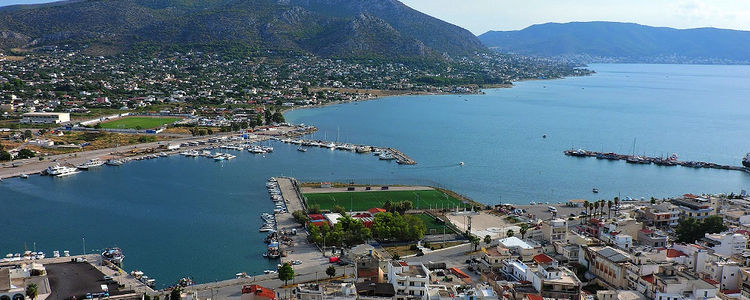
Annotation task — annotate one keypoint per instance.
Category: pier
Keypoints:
(383, 153)
(647, 160)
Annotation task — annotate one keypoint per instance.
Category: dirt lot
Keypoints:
(483, 224)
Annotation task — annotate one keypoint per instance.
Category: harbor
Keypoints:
(670, 161)
(383, 153)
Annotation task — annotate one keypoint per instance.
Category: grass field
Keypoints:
(138, 122)
(362, 201)
(433, 226)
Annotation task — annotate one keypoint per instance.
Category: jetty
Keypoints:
(383, 153)
(647, 160)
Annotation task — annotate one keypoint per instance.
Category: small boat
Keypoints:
(113, 255)
(24, 176)
(114, 162)
(92, 163)
(300, 149)
(461, 163)
(595, 191)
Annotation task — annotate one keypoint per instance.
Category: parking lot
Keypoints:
(71, 279)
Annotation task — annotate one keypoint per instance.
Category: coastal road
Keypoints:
(231, 289)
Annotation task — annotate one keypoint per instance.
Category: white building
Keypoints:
(555, 230)
(726, 244)
(327, 291)
(45, 118)
(410, 280)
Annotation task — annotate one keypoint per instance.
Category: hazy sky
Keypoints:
(480, 16)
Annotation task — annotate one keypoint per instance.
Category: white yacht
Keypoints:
(93, 163)
(58, 170)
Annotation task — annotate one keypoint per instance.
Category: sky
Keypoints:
(480, 16)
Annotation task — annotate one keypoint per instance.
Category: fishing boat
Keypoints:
(113, 255)
(92, 163)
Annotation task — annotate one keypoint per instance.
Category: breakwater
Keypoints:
(647, 160)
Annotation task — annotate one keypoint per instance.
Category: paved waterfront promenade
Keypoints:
(35, 166)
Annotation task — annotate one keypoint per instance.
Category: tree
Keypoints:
(277, 117)
(474, 241)
(689, 229)
(339, 209)
(524, 228)
(396, 256)
(653, 200)
(487, 239)
(314, 209)
(300, 217)
(175, 294)
(27, 134)
(32, 291)
(25, 153)
(331, 271)
(286, 273)
(609, 208)
(617, 205)
(388, 206)
(5, 156)
(586, 207)
(510, 233)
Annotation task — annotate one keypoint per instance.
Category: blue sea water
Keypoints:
(179, 216)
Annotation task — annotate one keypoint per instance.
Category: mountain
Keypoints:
(624, 42)
(331, 28)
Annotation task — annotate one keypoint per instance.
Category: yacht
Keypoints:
(219, 157)
(265, 228)
(93, 163)
(267, 149)
(386, 156)
(58, 170)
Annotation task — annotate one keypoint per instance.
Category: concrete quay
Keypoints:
(33, 166)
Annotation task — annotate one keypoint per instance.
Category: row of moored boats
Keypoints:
(217, 156)
(381, 153)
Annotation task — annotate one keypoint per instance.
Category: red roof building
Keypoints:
(316, 217)
(256, 292)
(543, 259)
(672, 253)
(375, 210)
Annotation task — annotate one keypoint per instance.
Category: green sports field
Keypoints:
(138, 122)
(362, 201)
(433, 226)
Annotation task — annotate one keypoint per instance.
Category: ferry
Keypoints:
(93, 163)
(58, 170)
(113, 255)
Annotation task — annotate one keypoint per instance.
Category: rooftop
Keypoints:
(612, 254)
(513, 241)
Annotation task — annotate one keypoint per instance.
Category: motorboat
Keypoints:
(92, 163)
(300, 149)
(114, 162)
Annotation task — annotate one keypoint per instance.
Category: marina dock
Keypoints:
(383, 153)
(647, 160)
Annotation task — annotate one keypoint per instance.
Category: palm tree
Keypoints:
(587, 205)
(617, 205)
(609, 208)
(524, 228)
(32, 291)
(596, 206)
(487, 240)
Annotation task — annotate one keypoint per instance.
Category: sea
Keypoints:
(192, 217)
